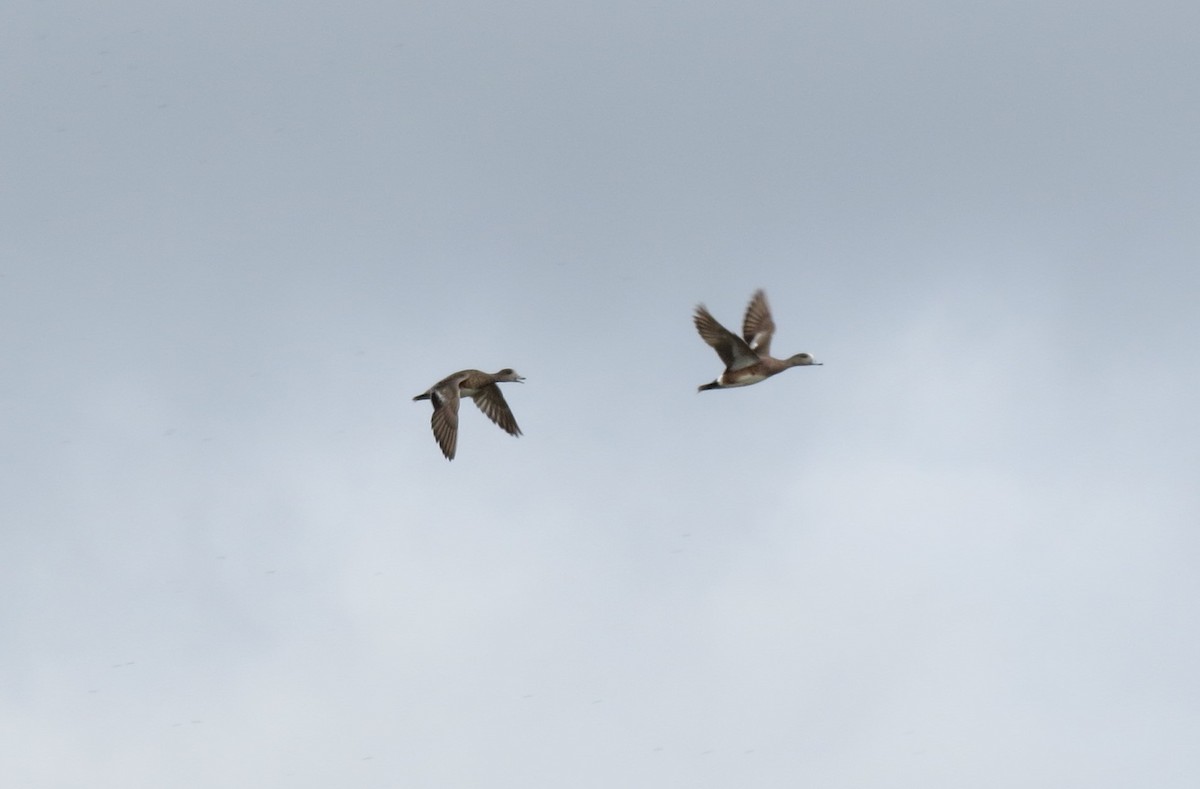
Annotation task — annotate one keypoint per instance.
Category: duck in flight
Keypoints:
(747, 358)
(478, 386)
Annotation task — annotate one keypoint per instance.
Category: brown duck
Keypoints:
(747, 358)
(480, 387)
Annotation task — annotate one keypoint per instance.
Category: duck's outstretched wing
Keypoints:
(732, 349)
(445, 418)
(491, 402)
(758, 326)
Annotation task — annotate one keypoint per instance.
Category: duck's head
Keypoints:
(509, 374)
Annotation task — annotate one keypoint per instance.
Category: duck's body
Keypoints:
(478, 386)
(747, 358)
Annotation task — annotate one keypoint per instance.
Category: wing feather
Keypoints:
(758, 326)
(492, 403)
(445, 419)
(732, 349)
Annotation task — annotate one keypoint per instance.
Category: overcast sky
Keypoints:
(236, 238)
